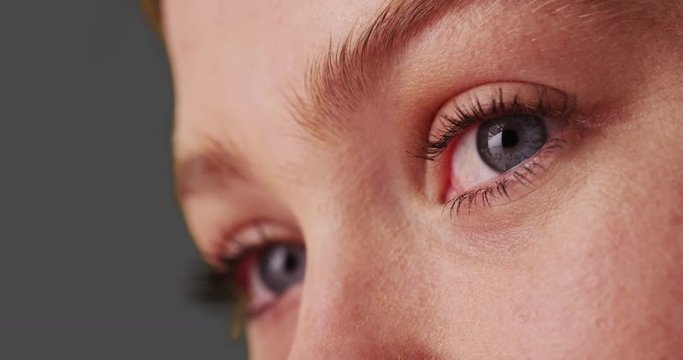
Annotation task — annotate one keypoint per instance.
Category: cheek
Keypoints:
(562, 312)
(618, 289)
(272, 334)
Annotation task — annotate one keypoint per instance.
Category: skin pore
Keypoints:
(316, 120)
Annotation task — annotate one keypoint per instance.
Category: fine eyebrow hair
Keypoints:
(334, 85)
(339, 79)
(213, 168)
(343, 76)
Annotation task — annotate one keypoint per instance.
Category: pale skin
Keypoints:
(586, 262)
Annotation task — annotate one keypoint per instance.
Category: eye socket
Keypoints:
(496, 137)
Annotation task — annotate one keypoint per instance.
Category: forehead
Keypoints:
(237, 64)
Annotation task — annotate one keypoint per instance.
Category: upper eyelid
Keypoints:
(531, 169)
(338, 79)
(491, 191)
(498, 103)
(251, 235)
(247, 236)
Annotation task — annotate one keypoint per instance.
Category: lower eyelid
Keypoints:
(258, 291)
(514, 185)
(276, 311)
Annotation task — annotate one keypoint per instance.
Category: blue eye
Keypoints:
(281, 266)
(506, 141)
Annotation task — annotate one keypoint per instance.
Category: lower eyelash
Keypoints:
(215, 290)
(524, 174)
(211, 287)
(221, 286)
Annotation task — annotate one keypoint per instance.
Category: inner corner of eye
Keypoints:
(466, 168)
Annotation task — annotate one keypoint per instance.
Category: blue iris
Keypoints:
(506, 141)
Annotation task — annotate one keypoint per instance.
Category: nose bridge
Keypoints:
(356, 300)
(359, 299)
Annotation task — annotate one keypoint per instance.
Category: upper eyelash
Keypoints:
(475, 113)
(214, 290)
(211, 286)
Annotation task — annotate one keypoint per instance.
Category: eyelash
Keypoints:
(466, 117)
(212, 287)
(523, 174)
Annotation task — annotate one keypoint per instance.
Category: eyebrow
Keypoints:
(334, 84)
(344, 75)
(212, 169)
(338, 80)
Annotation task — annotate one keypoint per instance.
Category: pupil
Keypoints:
(291, 263)
(509, 138)
(506, 141)
(281, 266)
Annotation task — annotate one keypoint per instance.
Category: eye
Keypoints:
(263, 262)
(497, 137)
(507, 141)
(275, 269)
(497, 146)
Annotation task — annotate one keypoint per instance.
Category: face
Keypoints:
(437, 179)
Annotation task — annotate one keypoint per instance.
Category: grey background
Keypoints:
(94, 255)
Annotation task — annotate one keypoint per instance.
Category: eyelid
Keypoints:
(486, 102)
(465, 111)
(248, 237)
(229, 279)
(252, 235)
(527, 174)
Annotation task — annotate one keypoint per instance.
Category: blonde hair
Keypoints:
(153, 11)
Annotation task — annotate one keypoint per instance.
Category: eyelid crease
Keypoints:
(465, 111)
(235, 245)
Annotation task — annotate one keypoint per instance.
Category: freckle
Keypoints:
(600, 322)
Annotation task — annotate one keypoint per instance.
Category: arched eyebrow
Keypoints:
(334, 84)
(343, 75)
(211, 169)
